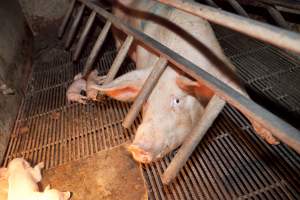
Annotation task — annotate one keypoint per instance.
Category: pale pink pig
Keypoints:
(23, 183)
(176, 103)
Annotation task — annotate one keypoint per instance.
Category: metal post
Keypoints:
(119, 59)
(211, 112)
(74, 26)
(100, 40)
(273, 35)
(238, 8)
(148, 86)
(62, 27)
(276, 15)
(84, 35)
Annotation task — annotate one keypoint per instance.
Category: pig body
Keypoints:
(74, 90)
(23, 183)
(176, 103)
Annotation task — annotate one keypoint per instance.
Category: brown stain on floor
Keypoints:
(110, 174)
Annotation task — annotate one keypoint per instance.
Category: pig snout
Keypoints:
(147, 146)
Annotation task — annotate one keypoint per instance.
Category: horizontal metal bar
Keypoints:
(271, 34)
(280, 129)
(148, 86)
(63, 25)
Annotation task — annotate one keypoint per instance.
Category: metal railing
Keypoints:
(222, 93)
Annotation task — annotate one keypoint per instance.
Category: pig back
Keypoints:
(188, 35)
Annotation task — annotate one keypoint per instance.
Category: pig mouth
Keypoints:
(140, 154)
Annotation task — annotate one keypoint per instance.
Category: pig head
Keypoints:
(174, 106)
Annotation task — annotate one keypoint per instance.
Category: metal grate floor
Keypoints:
(230, 163)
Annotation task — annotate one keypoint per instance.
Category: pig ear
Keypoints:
(194, 88)
(126, 87)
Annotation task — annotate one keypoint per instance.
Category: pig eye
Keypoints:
(175, 102)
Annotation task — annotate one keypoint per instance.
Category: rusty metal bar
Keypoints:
(63, 25)
(84, 34)
(265, 32)
(279, 128)
(276, 15)
(211, 112)
(238, 8)
(148, 86)
(119, 59)
(100, 40)
(74, 26)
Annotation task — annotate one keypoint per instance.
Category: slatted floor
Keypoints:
(230, 163)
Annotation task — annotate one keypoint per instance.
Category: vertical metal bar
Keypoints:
(238, 8)
(74, 26)
(84, 35)
(148, 86)
(211, 112)
(119, 59)
(100, 40)
(62, 27)
(276, 15)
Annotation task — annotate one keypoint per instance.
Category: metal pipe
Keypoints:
(276, 15)
(63, 25)
(84, 35)
(99, 42)
(265, 32)
(148, 86)
(211, 112)
(74, 26)
(119, 59)
(279, 128)
(238, 8)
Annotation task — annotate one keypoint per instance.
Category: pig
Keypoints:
(74, 91)
(23, 183)
(3, 183)
(93, 78)
(176, 102)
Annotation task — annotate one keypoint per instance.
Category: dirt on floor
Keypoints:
(111, 174)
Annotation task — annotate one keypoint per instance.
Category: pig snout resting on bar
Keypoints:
(93, 79)
(75, 89)
(23, 183)
(176, 102)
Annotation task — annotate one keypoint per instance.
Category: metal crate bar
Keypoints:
(84, 35)
(273, 35)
